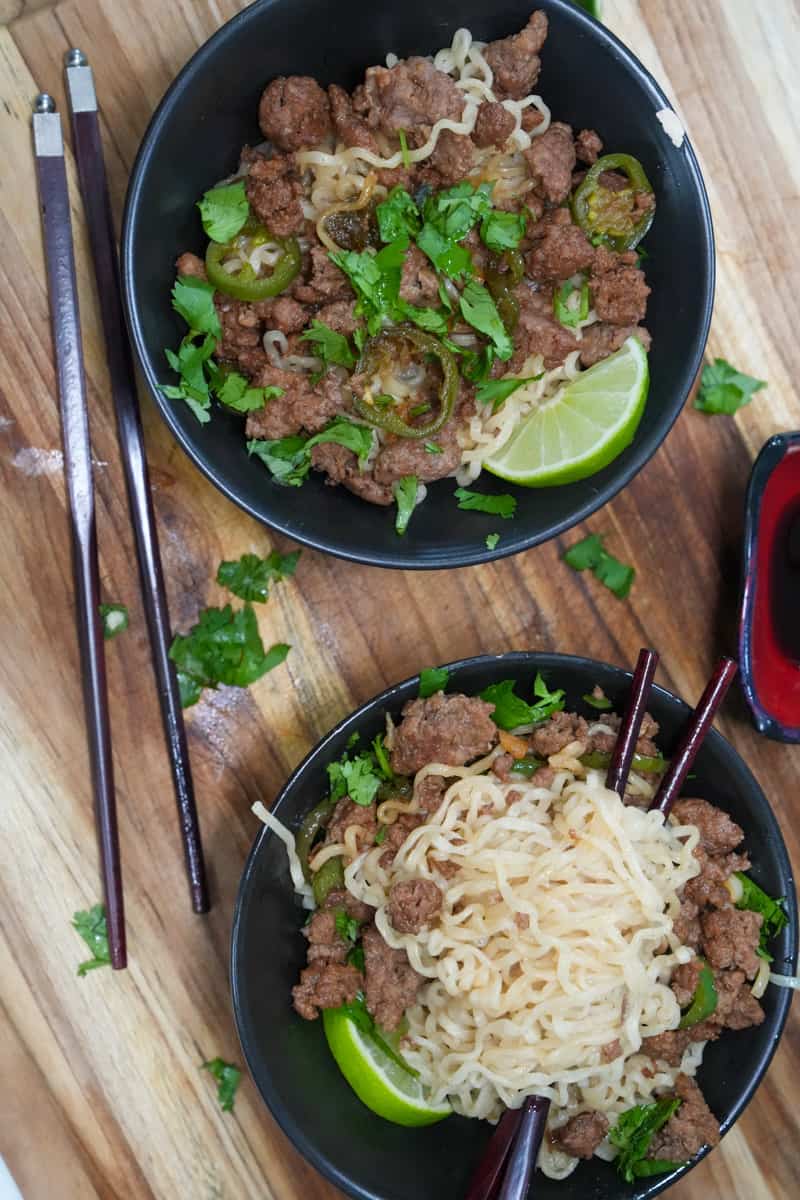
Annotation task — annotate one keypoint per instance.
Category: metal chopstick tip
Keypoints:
(75, 58)
(44, 103)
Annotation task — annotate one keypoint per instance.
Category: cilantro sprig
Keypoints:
(92, 927)
(333, 348)
(723, 389)
(431, 680)
(360, 775)
(497, 391)
(774, 912)
(249, 576)
(590, 554)
(228, 1078)
(480, 311)
(224, 210)
(224, 646)
(511, 711)
(633, 1134)
(288, 459)
(405, 495)
(503, 505)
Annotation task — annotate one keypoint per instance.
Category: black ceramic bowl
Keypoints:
(289, 1058)
(588, 78)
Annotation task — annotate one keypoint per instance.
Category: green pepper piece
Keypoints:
(612, 216)
(641, 762)
(313, 822)
(500, 284)
(385, 417)
(244, 283)
(329, 877)
(527, 766)
(704, 1001)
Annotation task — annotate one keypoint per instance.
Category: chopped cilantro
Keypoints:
(590, 554)
(503, 230)
(497, 391)
(223, 647)
(356, 778)
(432, 679)
(774, 913)
(503, 505)
(250, 576)
(723, 389)
(449, 216)
(382, 758)
(190, 363)
(380, 836)
(633, 1133)
(602, 703)
(224, 210)
(289, 459)
(346, 927)
(479, 310)
(332, 347)
(511, 711)
(228, 1078)
(236, 393)
(114, 618)
(398, 216)
(92, 928)
(193, 299)
(405, 494)
(568, 311)
(491, 541)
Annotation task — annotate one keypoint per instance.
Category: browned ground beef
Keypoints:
(452, 159)
(450, 729)
(303, 406)
(418, 281)
(588, 146)
(538, 331)
(341, 466)
(325, 985)
(339, 316)
(730, 939)
(412, 96)
(551, 161)
(413, 903)
(581, 1135)
(352, 130)
(718, 833)
(347, 814)
(391, 983)
(396, 834)
(493, 125)
(692, 1127)
(600, 340)
(190, 264)
(324, 282)
(515, 60)
(620, 296)
(274, 191)
(294, 112)
(429, 793)
(560, 249)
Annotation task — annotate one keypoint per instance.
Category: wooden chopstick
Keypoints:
(628, 734)
(94, 189)
(486, 1180)
(699, 724)
(525, 1151)
(65, 320)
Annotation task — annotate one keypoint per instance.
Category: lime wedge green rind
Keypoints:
(380, 1083)
(583, 428)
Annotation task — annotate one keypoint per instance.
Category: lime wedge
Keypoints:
(376, 1079)
(585, 425)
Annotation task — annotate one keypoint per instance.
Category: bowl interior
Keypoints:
(588, 78)
(288, 1057)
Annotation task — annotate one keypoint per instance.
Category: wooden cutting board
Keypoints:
(102, 1092)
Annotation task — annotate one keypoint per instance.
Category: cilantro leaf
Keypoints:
(375, 278)
(405, 494)
(491, 541)
(497, 391)
(356, 778)
(774, 912)
(285, 458)
(432, 679)
(474, 365)
(330, 346)
(398, 216)
(479, 310)
(503, 230)
(228, 1078)
(503, 505)
(570, 312)
(223, 647)
(346, 927)
(92, 928)
(224, 210)
(430, 319)
(634, 1131)
(358, 438)
(193, 299)
(602, 703)
(236, 393)
(450, 258)
(114, 618)
(191, 362)
(382, 758)
(453, 212)
(723, 389)
(511, 711)
(590, 554)
(249, 577)
(355, 955)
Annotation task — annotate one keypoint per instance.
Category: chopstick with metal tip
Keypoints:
(94, 189)
(65, 320)
(693, 736)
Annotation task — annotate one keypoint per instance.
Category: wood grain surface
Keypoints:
(102, 1095)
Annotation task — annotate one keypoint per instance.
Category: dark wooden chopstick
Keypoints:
(65, 319)
(693, 736)
(525, 1151)
(628, 734)
(486, 1180)
(94, 189)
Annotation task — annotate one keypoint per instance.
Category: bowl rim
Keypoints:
(398, 558)
(543, 660)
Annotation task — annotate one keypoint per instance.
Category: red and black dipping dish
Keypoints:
(769, 634)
